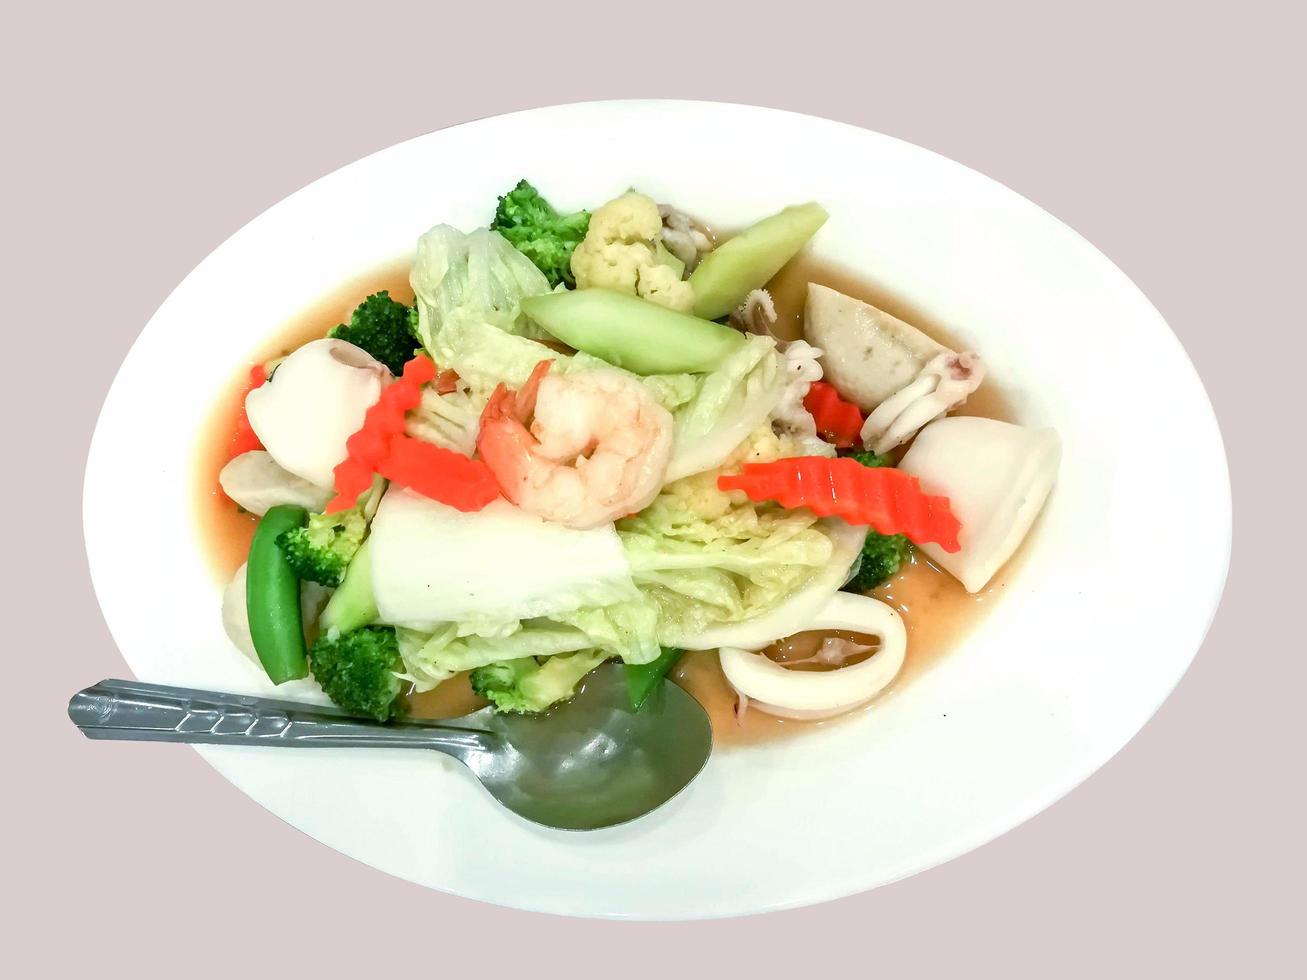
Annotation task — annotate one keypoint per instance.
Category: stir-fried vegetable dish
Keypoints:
(585, 442)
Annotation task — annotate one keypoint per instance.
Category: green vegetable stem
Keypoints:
(352, 605)
(633, 333)
(526, 685)
(748, 260)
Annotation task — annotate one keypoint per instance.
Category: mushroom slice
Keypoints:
(257, 483)
(996, 476)
(868, 354)
(314, 401)
(810, 695)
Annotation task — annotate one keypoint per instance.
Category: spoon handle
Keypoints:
(136, 712)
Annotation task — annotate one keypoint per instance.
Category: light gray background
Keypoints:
(141, 136)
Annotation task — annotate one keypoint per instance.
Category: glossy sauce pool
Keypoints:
(936, 610)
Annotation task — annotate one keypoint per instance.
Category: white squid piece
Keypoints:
(996, 476)
(810, 695)
(943, 384)
(315, 400)
(432, 564)
(683, 236)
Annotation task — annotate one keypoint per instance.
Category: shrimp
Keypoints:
(579, 449)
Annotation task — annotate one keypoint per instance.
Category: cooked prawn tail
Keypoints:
(499, 406)
(525, 401)
(504, 444)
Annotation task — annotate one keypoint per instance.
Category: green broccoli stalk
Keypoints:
(535, 229)
(359, 670)
(352, 604)
(383, 327)
(527, 685)
(882, 554)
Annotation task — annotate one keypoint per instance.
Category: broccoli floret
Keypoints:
(358, 670)
(872, 460)
(882, 557)
(882, 554)
(535, 229)
(382, 327)
(322, 550)
(527, 685)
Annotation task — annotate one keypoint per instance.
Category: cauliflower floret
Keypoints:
(660, 284)
(619, 253)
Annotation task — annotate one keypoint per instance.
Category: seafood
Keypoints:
(996, 476)
(811, 695)
(581, 449)
(314, 401)
(684, 237)
(943, 384)
(866, 353)
(257, 483)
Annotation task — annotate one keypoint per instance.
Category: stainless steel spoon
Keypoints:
(589, 763)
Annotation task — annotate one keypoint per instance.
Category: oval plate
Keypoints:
(1084, 647)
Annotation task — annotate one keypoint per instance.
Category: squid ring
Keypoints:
(808, 694)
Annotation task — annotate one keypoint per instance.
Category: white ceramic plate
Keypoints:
(1110, 606)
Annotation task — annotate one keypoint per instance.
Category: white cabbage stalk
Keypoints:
(731, 402)
(433, 565)
(793, 613)
(451, 420)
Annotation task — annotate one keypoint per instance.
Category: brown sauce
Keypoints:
(936, 610)
(798, 651)
(452, 699)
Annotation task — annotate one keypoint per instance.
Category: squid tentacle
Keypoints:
(944, 383)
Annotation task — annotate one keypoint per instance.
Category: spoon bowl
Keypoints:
(593, 762)
(589, 763)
